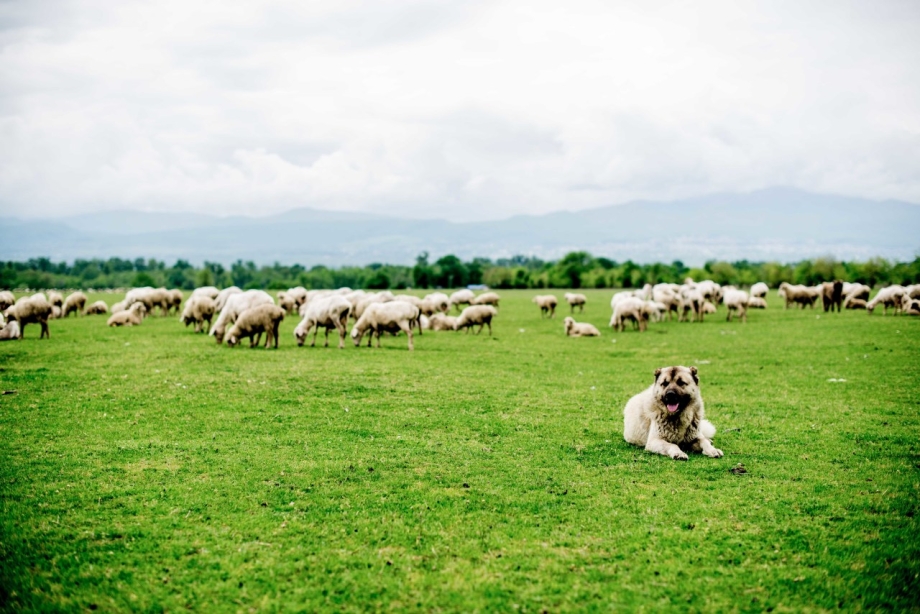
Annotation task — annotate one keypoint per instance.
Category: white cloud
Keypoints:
(446, 109)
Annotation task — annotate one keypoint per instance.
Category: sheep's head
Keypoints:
(356, 335)
(232, 339)
(300, 334)
(568, 323)
(219, 334)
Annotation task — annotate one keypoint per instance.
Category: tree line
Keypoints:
(574, 270)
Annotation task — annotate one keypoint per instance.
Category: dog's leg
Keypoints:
(705, 446)
(656, 444)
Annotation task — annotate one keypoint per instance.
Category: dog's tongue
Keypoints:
(672, 408)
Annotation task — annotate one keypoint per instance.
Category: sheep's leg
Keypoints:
(408, 331)
(45, 331)
(325, 345)
(490, 327)
(552, 312)
(481, 325)
(341, 331)
(315, 332)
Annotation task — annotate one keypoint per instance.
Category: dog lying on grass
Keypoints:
(668, 418)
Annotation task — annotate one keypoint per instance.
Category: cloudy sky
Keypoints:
(462, 110)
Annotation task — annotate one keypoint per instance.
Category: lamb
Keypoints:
(579, 329)
(629, 309)
(756, 302)
(575, 300)
(252, 322)
(74, 303)
(97, 308)
(132, 316)
(759, 290)
(10, 331)
(888, 297)
(200, 310)
(461, 297)
(7, 300)
(328, 312)
(477, 314)
(224, 295)
(236, 304)
(30, 310)
(440, 300)
(547, 304)
(736, 300)
(392, 316)
(832, 295)
(440, 321)
(486, 298)
(209, 291)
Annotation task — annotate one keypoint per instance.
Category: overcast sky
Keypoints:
(461, 110)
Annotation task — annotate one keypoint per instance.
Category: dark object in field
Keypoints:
(832, 295)
(738, 469)
(5, 392)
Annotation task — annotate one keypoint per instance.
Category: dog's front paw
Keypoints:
(713, 453)
(678, 455)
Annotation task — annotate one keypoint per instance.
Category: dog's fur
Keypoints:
(648, 422)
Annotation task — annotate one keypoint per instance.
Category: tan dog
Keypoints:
(668, 417)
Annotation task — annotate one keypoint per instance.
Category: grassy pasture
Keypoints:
(147, 469)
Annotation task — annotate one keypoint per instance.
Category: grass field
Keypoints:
(148, 469)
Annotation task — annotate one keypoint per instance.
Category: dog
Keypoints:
(668, 417)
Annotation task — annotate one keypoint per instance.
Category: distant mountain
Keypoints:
(774, 224)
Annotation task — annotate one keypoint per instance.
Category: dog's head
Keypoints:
(676, 387)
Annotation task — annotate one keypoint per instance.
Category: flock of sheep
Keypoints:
(250, 314)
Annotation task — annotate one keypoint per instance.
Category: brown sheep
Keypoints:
(832, 295)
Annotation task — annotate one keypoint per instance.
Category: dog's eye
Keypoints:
(680, 382)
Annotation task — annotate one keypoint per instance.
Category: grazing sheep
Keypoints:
(711, 291)
(486, 298)
(224, 295)
(200, 310)
(392, 316)
(97, 308)
(756, 302)
(547, 304)
(832, 295)
(579, 329)
(736, 300)
(287, 302)
(328, 312)
(653, 310)
(367, 300)
(888, 297)
(236, 304)
(55, 312)
(759, 290)
(709, 308)
(667, 296)
(10, 331)
(55, 298)
(252, 322)
(477, 314)
(692, 301)
(440, 300)
(299, 294)
(856, 290)
(461, 297)
(132, 316)
(854, 303)
(799, 294)
(440, 321)
(209, 291)
(630, 308)
(74, 303)
(575, 300)
(33, 309)
(7, 300)
(175, 300)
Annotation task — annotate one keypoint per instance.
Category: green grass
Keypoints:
(147, 469)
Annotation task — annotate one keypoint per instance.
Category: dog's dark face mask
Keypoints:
(676, 387)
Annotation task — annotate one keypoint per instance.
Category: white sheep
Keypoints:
(33, 309)
(631, 308)
(118, 307)
(856, 290)
(461, 297)
(759, 290)
(56, 299)
(252, 322)
(756, 302)
(887, 297)
(224, 295)
(804, 296)
(175, 300)
(736, 300)
(97, 308)
(692, 301)
(10, 331)
(132, 316)
(7, 300)
(236, 304)
(440, 300)
(575, 300)
(579, 329)
(476, 314)
(199, 310)
(75, 303)
(486, 298)
(547, 304)
(209, 291)
(667, 296)
(327, 312)
(440, 321)
(392, 316)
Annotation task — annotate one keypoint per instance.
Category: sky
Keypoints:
(448, 109)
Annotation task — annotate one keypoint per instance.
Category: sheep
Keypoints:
(252, 322)
(461, 297)
(328, 312)
(56, 312)
(575, 300)
(913, 291)
(209, 291)
(802, 295)
(10, 331)
(33, 309)
(119, 306)
(486, 298)
(579, 329)
(299, 294)
(667, 296)
(200, 310)
(440, 300)
(856, 290)
(547, 304)
(888, 297)
(911, 306)
(711, 291)
(440, 321)
(287, 302)
(759, 290)
(55, 298)
(736, 300)
(7, 300)
(708, 308)
(854, 303)
(236, 304)
(832, 295)
(74, 303)
(224, 295)
(391, 316)
(691, 300)
(132, 316)
(368, 299)
(97, 308)
(756, 302)
(630, 308)
(175, 298)
(477, 314)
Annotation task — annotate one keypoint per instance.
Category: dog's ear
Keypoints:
(657, 373)
(693, 372)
